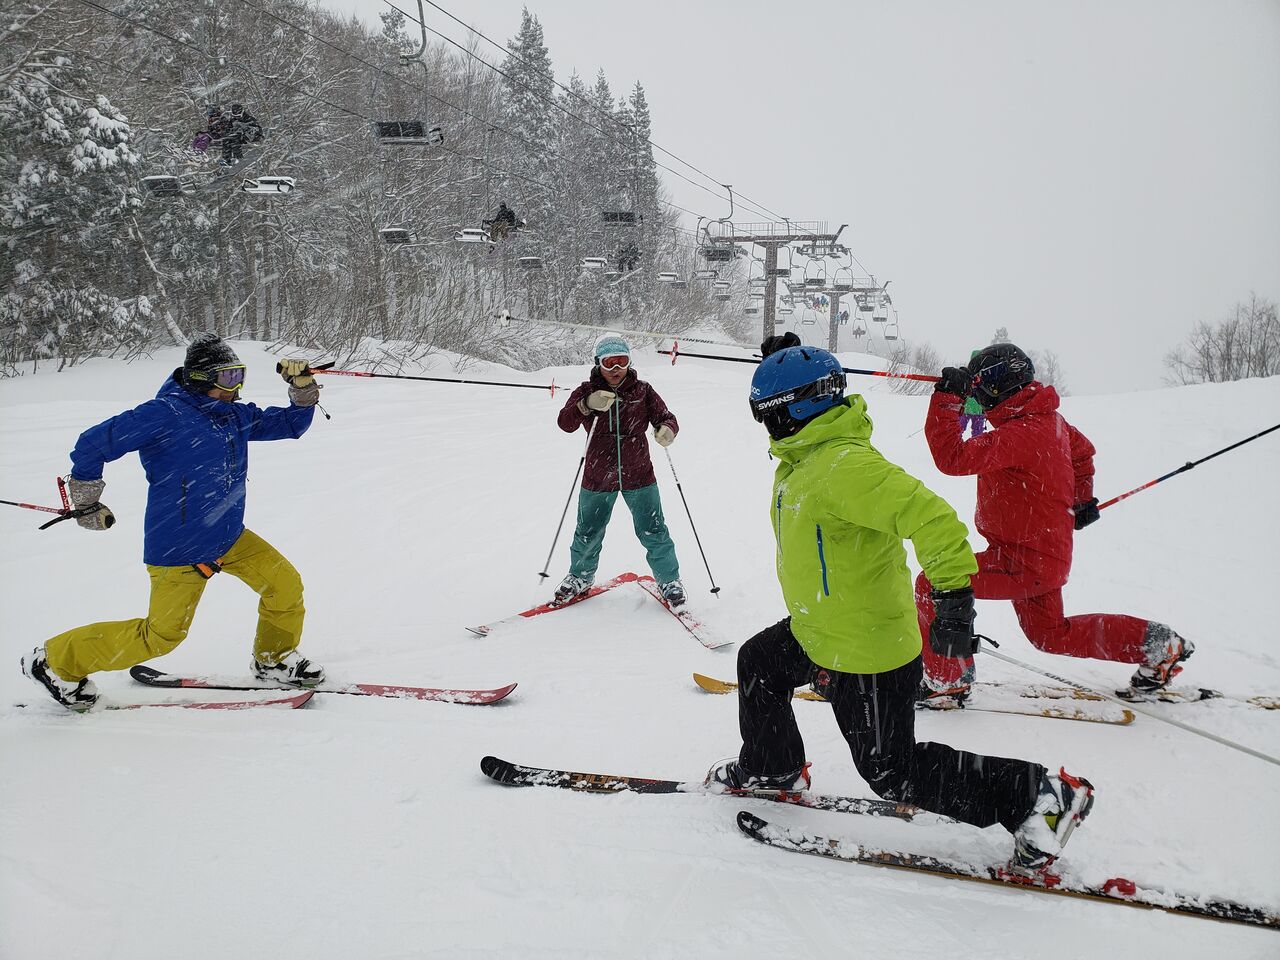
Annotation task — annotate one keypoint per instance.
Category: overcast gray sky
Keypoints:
(1095, 175)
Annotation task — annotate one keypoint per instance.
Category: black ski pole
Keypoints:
(1185, 467)
(922, 377)
(697, 539)
(556, 539)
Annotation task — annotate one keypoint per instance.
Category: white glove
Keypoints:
(664, 435)
(600, 400)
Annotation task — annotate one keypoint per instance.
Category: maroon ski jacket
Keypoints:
(618, 454)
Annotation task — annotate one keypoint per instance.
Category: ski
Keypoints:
(1117, 890)
(1196, 695)
(514, 775)
(1092, 712)
(686, 618)
(484, 629)
(154, 678)
(293, 702)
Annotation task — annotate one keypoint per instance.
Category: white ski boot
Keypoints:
(673, 593)
(570, 588)
(1062, 804)
(729, 774)
(292, 670)
(77, 695)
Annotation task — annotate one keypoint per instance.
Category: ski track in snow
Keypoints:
(362, 828)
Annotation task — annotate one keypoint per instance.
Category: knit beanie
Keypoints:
(611, 345)
(207, 354)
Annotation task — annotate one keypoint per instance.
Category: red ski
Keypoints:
(486, 628)
(293, 702)
(686, 618)
(154, 678)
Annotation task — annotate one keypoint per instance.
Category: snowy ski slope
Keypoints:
(363, 828)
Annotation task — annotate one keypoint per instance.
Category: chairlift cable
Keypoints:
(758, 207)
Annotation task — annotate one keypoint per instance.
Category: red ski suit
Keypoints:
(1031, 470)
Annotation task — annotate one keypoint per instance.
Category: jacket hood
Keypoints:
(845, 421)
(1035, 397)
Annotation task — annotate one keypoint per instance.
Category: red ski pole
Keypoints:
(1185, 467)
(327, 369)
(65, 512)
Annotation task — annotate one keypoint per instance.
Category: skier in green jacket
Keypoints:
(840, 512)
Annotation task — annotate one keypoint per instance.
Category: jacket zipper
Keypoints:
(822, 559)
(777, 523)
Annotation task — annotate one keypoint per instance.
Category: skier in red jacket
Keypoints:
(1035, 489)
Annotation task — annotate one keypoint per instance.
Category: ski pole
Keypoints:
(327, 369)
(1185, 467)
(924, 378)
(1130, 705)
(697, 539)
(554, 540)
(65, 512)
(505, 317)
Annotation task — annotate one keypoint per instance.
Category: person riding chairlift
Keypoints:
(504, 222)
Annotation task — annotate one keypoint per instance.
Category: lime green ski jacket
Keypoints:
(840, 513)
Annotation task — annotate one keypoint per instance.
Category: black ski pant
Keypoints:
(876, 714)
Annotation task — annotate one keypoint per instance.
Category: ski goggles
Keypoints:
(832, 385)
(230, 379)
(615, 363)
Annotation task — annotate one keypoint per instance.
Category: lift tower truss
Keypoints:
(771, 236)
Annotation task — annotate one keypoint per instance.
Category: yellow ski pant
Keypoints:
(175, 592)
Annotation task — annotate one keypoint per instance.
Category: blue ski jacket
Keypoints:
(195, 451)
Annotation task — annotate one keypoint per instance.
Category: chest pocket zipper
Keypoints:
(822, 559)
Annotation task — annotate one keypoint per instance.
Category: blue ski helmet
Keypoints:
(793, 386)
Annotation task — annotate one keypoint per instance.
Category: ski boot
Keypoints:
(730, 775)
(77, 695)
(570, 588)
(1165, 652)
(673, 593)
(291, 670)
(941, 695)
(1061, 805)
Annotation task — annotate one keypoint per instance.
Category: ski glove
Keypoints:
(296, 373)
(664, 435)
(953, 380)
(84, 495)
(951, 634)
(600, 400)
(307, 396)
(779, 342)
(1086, 513)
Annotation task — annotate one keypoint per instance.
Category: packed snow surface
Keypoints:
(363, 828)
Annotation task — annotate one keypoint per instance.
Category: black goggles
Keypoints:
(832, 385)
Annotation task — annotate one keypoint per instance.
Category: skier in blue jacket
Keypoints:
(193, 440)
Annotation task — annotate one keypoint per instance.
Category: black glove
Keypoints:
(780, 342)
(953, 380)
(1086, 513)
(951, 634)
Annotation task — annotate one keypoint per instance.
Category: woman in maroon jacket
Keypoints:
(617, 407)
(1035, 489)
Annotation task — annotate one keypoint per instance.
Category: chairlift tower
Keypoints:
(836, 291)
(771, 236)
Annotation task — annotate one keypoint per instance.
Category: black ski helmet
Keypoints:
(998, 372)
(207, 353)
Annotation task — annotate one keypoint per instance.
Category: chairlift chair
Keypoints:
(751, 311)
(407, 133)
(843, 281)
(757, 282)
(679, 284)
(815, 274)
(166, 186)
(721, 285)
(786, 310)
(722, 297)
(891, 332)
(859, 333)
(705, 274)
(529, 263)
(808, 321)
(755, 295)
(668, 276)
(472, 235)
(394, 236)
(880, 313)
(594, 264)
(719, 252)
(618, 216)
(864, 304)
(268, 185)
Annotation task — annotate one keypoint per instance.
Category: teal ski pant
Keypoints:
(594, 510)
